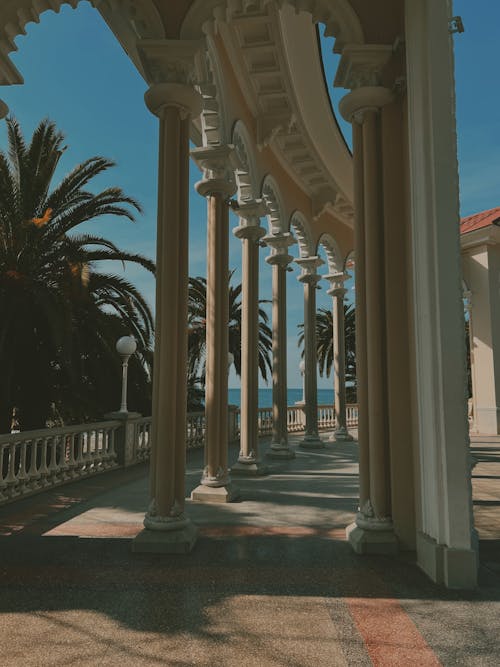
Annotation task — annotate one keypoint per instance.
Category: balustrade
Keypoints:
(142, 438)
(32, 461)
(265, 421)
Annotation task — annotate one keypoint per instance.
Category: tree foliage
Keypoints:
(59, 315)
(324, 345)
(197, 331)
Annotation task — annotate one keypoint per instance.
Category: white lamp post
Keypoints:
(125, 346)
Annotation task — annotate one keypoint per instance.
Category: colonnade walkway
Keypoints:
(270, 582)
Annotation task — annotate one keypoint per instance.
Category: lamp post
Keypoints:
(125, 346)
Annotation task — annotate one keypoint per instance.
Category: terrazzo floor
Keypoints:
(270, 582)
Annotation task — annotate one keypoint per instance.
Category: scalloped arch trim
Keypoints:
(139, 18)
(333, 255)
(302, 231)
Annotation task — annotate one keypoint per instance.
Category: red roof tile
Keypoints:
(479, 220)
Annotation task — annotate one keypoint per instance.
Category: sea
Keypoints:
(325, 397)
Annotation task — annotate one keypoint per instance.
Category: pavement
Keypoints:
(270, 582)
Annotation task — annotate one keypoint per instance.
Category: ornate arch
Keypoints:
(302, 230)
(246, 174)
(350, 261)
(214, 124)
(334, 256)
(271, 195)
(130, 20)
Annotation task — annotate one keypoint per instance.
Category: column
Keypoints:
(217, 186)
(167, 529)
(338, 292)
(446, 544)
(373, 530)
(279, 259)
(309, 278)
(250, 232)
(481, 270)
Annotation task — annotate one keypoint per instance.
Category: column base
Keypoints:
(249, 469)
(455, 568)
(179, 541)
(279, 451)
(312, 442)
(215, 494)
(341, 435)
(364, 541)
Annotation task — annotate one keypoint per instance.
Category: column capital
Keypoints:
(169, 68)
(169, 60)
(218, 164)
(279, 244)
(337, 281)
(250, 212)
(359, 101)
(182, 96)
(251, 232)
(309, 267)
(360, 69)
(362, 65)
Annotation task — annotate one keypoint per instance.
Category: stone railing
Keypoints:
(352, 415)
(31, 461)
(265, 421)
(326, 417)
(295, 418)
(195, 430)
(141, 438)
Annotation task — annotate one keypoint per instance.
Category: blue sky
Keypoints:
(77, 74)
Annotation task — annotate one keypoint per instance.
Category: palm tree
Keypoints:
(197, 305)
(59, 316)
(324, 346)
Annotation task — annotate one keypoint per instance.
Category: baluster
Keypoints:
(52, 471)
(3, 482)
(11, 478)
(43, 470)
(34, 472)
(22, 475)
(90, 454)
(112, 450)
(99, 455)
(80, 458)
(104, 443)
(70, 444)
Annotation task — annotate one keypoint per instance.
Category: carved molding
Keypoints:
(362, 65)
(272, 197)
(333, 255)
(246, 176)
(169, 60)
(300, 226)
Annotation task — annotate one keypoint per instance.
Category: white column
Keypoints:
(481, 269)
(373, 530)
(445, 542)
(279, 259)
(250, 232)
(309, 278)
(217, 187)
(338, 292)
(167, 529)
